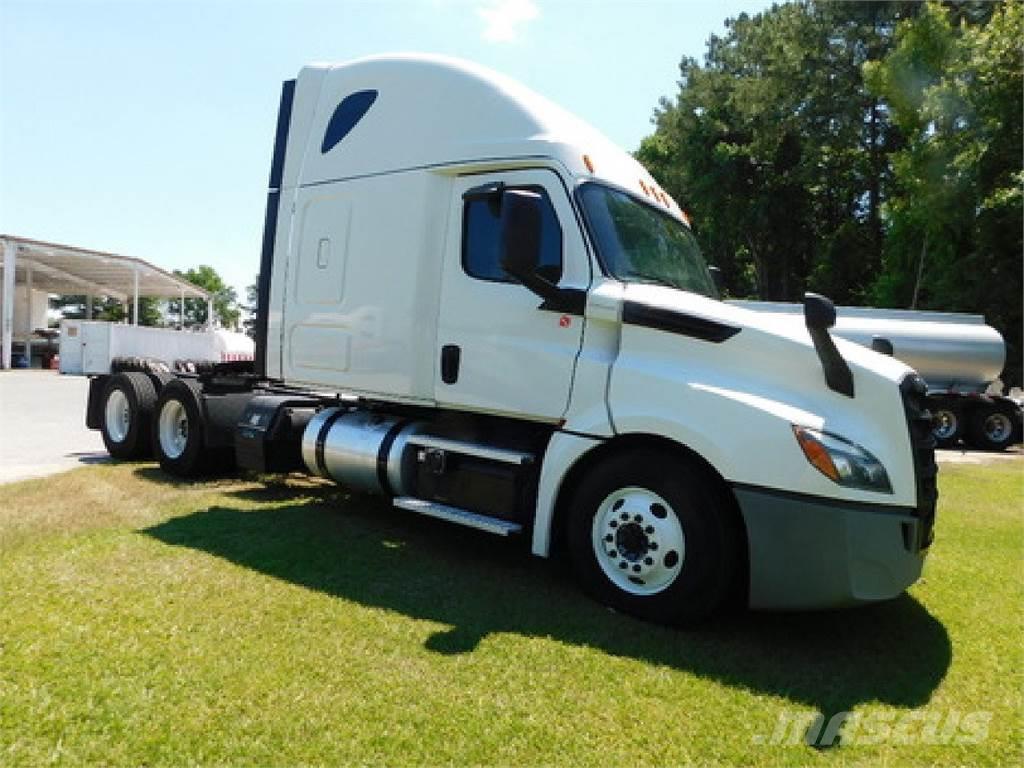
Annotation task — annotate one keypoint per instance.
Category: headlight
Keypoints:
(842, 461)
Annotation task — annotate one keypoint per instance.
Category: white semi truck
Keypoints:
(473, 303)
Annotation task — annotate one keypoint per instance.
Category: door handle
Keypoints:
(450, 355)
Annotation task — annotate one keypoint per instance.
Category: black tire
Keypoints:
(991, 426)
(947, 423)
(706, 569)
(179, 413)
(126, 409)
(160, 380)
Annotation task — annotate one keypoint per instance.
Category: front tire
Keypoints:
(127, 406)
(650, 535)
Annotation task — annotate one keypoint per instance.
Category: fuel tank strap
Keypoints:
(321, 438)
(382, 455)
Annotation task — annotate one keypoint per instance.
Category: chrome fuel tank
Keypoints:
(950, 351)
(360, 449)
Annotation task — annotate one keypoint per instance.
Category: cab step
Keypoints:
(490, 452)
(493, 525)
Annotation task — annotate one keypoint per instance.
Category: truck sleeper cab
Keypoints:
(472, 302)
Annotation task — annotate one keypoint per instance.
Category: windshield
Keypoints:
(640, 244)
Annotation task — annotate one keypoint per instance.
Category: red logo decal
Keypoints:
(565, 321)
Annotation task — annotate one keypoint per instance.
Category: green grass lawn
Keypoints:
(145, 622)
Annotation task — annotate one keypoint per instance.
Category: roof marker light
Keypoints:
(589, 163)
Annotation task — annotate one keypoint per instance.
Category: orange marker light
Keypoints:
(644, 187)
(686, 218)
(589, 163)
(816, 454)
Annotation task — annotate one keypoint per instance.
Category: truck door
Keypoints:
(497, 351)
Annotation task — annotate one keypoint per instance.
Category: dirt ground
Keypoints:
(964, 456)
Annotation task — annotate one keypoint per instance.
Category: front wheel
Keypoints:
(650, 535)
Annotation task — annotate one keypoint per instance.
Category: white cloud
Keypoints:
(503, 19)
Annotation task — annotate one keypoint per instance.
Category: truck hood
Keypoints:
(730, 384)
(767, 337)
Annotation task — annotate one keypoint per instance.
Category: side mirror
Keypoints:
(520, 250)
(520, 233)
(819, 312)
(717, 278)
(520, 242)
(819, 316)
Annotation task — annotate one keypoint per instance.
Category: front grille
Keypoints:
(922, 443)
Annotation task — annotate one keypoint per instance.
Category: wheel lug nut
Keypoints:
(637, 519)
(609, 537)
(636, 569)
(649, 529)
(613, 553)
(653, 546)
(624, 516)
(648, 561)
(622, 565)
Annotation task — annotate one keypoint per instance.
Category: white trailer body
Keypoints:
(474, 303)
(92, 347)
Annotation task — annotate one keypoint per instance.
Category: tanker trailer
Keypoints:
(958, 356)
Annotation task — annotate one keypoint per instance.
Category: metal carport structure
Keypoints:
(69, 270)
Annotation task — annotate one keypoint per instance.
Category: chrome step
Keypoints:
(456, 515)
(504, 455)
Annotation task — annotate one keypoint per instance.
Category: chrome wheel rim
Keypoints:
(118, 416)
(997, 427)
(638, 541)
(173, 429)
(945, 424)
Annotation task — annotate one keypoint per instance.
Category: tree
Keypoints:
(225, 299)
(779, 151)
(110, 310)
(955, 214)
(250, 307)
(869, 151)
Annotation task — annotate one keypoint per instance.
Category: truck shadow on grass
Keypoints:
(360, 549)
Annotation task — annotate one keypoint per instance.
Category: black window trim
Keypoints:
(511, 280)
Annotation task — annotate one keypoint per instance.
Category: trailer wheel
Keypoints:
(178, 433)
(991, 426)
(649, 535)
(126, 409)
(948, 423)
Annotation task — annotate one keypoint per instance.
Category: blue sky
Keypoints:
(146, 128)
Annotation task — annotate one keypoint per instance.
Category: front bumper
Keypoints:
(807, 552)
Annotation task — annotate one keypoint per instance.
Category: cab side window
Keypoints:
(481, 241)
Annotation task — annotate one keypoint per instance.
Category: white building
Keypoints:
(32, 270)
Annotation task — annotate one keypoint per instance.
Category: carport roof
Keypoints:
(69, 270)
